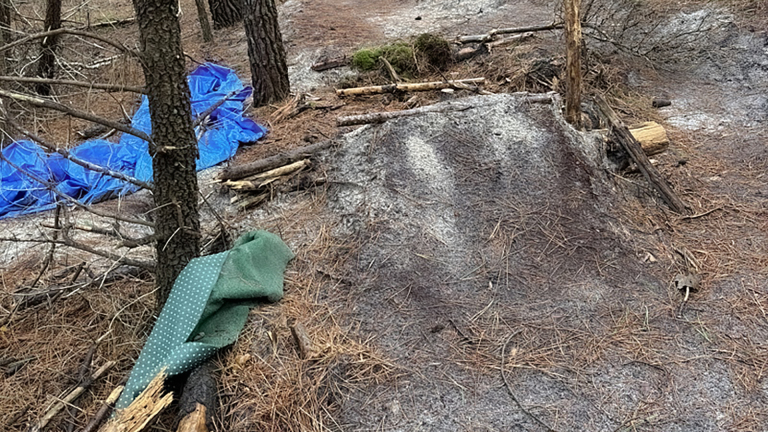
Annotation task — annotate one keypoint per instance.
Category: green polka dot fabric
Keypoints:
(208, 306)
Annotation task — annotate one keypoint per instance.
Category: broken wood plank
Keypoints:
(261, 165)
(491, 34)
(380, 117)
(630, 144)
(392, 88)
(652, 137)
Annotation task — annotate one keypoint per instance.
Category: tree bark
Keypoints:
(573, 63)
(226, 13)
(269, 70)
(205, 26)
(46, 67)
(5, 39)
(174, 147)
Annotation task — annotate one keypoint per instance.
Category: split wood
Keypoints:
(285, 158)
(630, 144)
(68, 399)
(392, 88)
(491, 34)
(380, 117)
(143, 409)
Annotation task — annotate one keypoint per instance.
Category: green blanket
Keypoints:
(208, 306)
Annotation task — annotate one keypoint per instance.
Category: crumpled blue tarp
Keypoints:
(218, 140)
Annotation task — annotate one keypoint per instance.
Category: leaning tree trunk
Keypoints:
(269, 71)
(174, 147)
(226, 13)
(46, 66)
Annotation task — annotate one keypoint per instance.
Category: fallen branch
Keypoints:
(75, 113)
(392, 88)
(114, 23)
(261, 165)
(93, 425)
(380, 117)
(261, 180)
(490, 35)
(509, 40)
(73, 244)
(330, 64)
(203, 115)
(68, 399)
(630, 144)
(391, 70)
(97, 86)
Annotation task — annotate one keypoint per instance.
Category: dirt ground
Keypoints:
(475, 270)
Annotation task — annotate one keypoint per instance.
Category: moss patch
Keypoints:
(399, 55)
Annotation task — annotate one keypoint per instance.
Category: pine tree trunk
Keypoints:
(5, 38)
(46, 66)
(177, 224)
(226, 13)
(269, 71)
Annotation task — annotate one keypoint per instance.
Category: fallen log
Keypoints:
(630, 144)
(260, 180)
(509, 40)
(652, 137)
(261, 165)
(392, 88)
(380, 117)
(491, 34)
(330, 64)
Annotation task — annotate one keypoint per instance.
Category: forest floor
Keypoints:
(532, 291)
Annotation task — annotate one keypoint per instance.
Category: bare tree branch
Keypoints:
(97, 86)
(75, 113)
(77, 203)
(74, 32)
(73, 244)
(83, 163)
(202, 116)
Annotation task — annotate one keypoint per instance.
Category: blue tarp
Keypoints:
(218, 140)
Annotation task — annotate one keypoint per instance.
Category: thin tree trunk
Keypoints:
(177, 224)
(5, 38)
(202, 16)
(269, 70)
(226, 13)
(573, 63)
(46, 67)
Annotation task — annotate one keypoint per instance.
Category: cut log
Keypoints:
(630, 144)
(652, 137)
(491, 34)
(380, 117)
(261, 165)
(392, 88)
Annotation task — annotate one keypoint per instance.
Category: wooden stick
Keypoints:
(572, 63)
(509, 40)
(390, 69)
(114, 23)
(630, 144)
(255, 182)
(74, 394)
(489, 36)
(302, 340)
(330, 64)
(75, 113)
(104, 410)
(392, 88)
(97, 86)
(261, 165)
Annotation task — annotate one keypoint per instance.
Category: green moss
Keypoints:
(399, 55)
(366, 59)
(434, 49)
